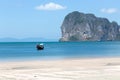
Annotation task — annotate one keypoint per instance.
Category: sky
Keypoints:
(43, 18)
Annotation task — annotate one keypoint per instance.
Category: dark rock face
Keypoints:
(87, 27)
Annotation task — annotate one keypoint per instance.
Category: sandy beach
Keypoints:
(69, 69)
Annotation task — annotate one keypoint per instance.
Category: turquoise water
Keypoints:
(58, 50)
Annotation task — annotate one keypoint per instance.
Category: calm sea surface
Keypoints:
(58, 50)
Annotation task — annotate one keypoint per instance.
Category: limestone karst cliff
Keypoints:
(78, 26)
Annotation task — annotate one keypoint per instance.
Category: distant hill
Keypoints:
(26, 40)
(79, 26)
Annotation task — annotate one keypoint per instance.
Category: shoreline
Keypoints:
(67, 69)
(26, 59)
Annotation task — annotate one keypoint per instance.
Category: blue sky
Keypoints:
(43, 18)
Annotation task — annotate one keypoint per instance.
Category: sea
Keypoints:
(58, 50)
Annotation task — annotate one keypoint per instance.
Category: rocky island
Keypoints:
(78, 26)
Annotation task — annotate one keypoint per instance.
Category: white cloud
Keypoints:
(109, 10)
(50, 6)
